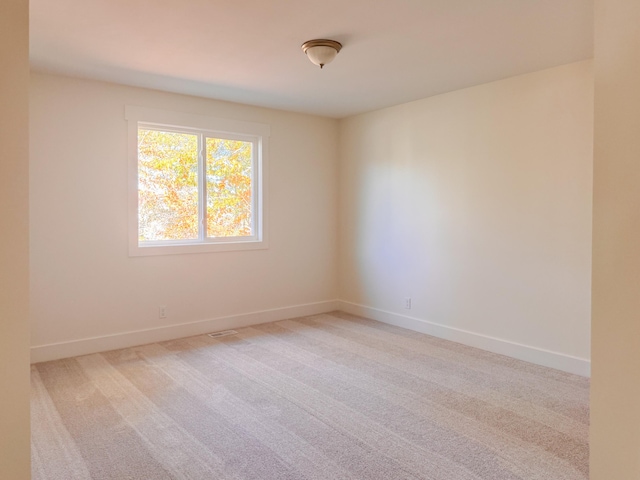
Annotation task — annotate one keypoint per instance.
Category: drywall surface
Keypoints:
(476, 204)
(615, 388)
(83, 282)
(15, 461)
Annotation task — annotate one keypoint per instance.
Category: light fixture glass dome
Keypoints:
(321, 51)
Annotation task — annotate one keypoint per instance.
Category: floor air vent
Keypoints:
(224, 333)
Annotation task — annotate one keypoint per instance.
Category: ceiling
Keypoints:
(248, 51)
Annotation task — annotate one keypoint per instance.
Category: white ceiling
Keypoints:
(248, 51)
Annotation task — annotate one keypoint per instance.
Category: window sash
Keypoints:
(202, 136)
(213, 127)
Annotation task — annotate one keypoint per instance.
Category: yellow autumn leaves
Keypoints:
(168, 178)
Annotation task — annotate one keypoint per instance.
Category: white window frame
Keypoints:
(205, 126)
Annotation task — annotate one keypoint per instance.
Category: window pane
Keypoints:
(228, 188)
(167, 185)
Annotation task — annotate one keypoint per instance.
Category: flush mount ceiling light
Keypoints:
(321, 51)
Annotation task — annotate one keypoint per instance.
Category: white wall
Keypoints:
(615, 388)
(84, 284)
(14, 240)
(477, 205)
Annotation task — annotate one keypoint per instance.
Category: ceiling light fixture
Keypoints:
(321, 51)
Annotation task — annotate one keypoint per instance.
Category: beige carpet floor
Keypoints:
(329, 396)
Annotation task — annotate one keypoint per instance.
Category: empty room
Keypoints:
(320, 240)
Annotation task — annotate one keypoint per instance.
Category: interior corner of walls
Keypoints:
(527, 353)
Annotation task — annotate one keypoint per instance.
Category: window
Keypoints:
(197, 183)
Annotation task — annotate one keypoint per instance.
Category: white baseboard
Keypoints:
(559, 361)
(54, 351)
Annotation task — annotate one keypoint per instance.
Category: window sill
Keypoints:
(152, 250)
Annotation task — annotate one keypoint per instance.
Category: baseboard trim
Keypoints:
(559, 361)
(85, 346)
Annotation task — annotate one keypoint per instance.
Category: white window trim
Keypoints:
(258, 132)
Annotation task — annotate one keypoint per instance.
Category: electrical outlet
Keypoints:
(162, 311)
(407, 303)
